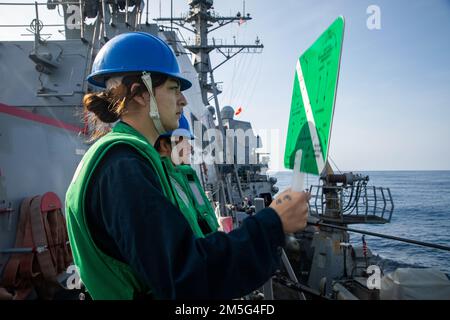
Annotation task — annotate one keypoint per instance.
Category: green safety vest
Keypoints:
(201, 203)
(106, 277)
(187, 186)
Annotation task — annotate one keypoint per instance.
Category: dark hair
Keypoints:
(105, 107)
(159, 140)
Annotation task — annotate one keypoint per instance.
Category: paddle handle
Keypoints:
(298, 178)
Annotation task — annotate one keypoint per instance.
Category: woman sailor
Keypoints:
(128, 236)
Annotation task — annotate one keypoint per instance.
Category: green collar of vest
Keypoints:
(123, 127)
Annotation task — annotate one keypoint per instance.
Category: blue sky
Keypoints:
(393, 102)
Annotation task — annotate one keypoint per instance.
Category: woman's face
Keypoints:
(170, 102)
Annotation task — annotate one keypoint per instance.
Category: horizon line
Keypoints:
(372, 170)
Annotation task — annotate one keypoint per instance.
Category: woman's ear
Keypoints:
(140, 98)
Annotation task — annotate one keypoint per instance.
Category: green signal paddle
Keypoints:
(312, 105)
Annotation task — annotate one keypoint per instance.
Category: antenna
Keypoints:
(146, 13)
(171, 15)
(204, 21)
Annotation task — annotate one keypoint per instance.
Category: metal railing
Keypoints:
(349, 204)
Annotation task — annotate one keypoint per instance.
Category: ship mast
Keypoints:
(203, 22)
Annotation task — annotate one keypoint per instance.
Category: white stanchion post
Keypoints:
(298, 177)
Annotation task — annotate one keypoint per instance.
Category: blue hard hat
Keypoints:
(183, 130)
(135, 52)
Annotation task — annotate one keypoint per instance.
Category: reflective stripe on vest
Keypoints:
(180, 191)
(199, 199)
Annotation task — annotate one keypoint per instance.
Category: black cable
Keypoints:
(299, 287)
(379, 235)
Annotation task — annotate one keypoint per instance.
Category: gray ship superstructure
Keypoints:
(43, 132)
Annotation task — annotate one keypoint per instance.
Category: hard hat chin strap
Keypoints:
(153, 113)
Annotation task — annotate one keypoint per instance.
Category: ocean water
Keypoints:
(421, 212)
